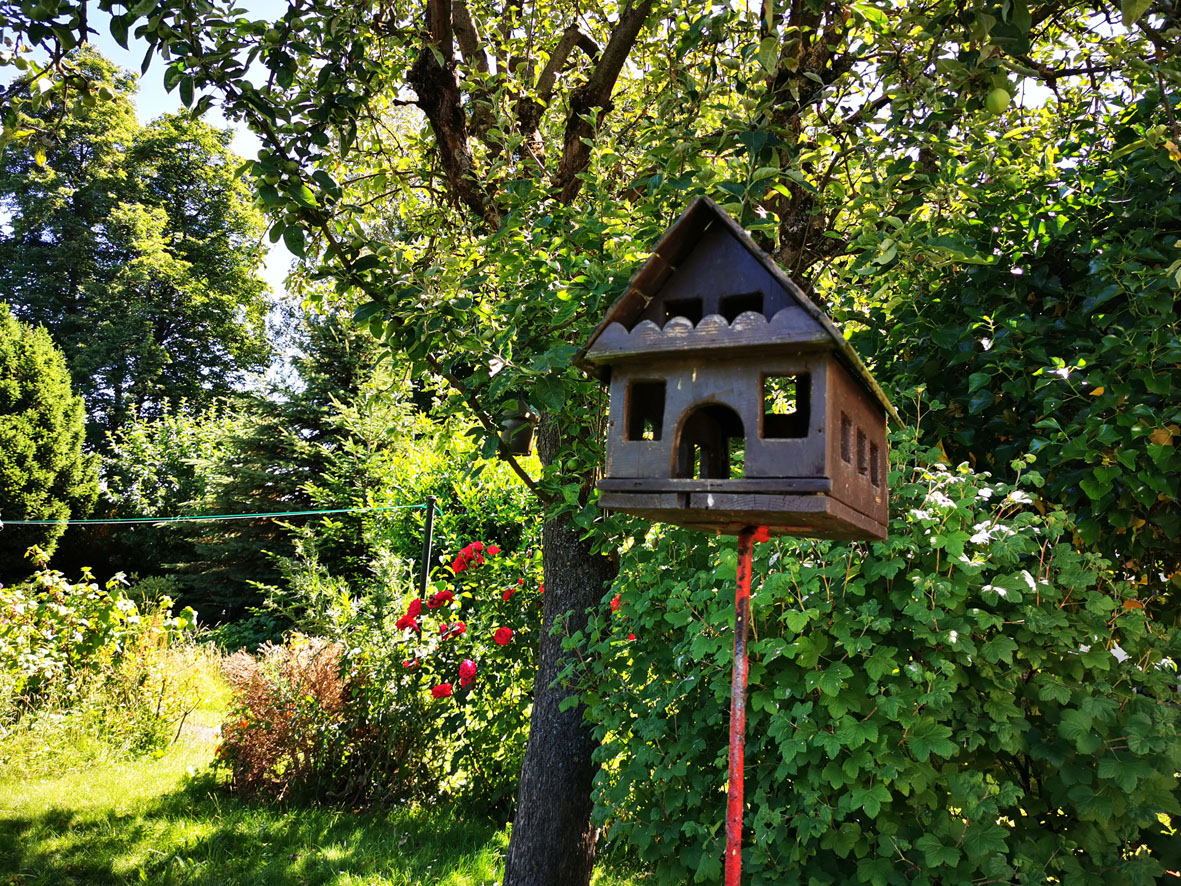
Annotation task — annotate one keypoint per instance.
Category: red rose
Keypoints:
(631, 636)
(502, 636)
(443, 690)
(415, 608)
(467, 672)
(493, 550)
(440, 599)
(541, 588)
(408, 623)
(520, 582)
(616, 603)
(508, 593)
(410, 663)
(459, 563)
(458, 628)
(476, 546)
(443, 628)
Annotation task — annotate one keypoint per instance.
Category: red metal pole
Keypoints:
(738, 708)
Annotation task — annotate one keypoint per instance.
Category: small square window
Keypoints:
(730, 306)
(846, 439)
(689, 308)
(862, 453)
(875, 465)
(786, 406)
(645, 410)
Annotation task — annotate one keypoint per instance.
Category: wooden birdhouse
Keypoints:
(734, 401)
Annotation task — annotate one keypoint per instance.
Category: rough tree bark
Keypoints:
(553, 841)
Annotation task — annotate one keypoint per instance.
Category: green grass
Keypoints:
(166, 820)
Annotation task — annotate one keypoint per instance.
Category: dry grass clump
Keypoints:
(287, 701)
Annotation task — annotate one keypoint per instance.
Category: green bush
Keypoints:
(973, 700)
(395, 698)
(77, 655)
(1062, 338)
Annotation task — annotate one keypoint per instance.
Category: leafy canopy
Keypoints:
(138, 249)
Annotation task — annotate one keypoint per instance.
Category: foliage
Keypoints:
(163, 466)
(971, 699)
(360, 712)
(1062, 338)
(484, 233)
(76, 648)
(44, 474)
(138, 249)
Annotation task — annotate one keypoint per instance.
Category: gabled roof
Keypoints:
(674, 247)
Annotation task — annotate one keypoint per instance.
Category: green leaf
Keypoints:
(928, 737)
(293, 239)
(549, 393)
(119, 25)
(1132, 10)
(936, 852)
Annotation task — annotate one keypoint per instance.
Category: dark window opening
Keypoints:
(787, 406)
(689, 308)
(875, 465)
(846, 439)
(733, 305)
(645, 410)
(711, 444)
(862, 453)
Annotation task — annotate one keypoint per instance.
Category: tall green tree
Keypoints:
(138, 249)
(268, 464)
(550, 144)
(44, 474)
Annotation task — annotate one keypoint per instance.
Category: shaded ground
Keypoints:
(166, 821)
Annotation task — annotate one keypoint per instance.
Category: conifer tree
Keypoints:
(44, 474)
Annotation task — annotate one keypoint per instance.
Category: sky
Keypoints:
(152, 101)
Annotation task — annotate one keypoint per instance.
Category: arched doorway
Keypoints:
(710, 443)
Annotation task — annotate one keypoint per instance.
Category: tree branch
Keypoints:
(529, 111)
(469, 38)
(596, 93)
(490, 426)
(437, 87)
(438, 22)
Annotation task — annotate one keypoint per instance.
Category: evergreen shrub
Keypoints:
(44, 474)
(973, 700)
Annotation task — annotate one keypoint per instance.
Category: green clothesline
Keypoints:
(202, 518)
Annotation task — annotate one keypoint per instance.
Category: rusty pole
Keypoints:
(738, 706)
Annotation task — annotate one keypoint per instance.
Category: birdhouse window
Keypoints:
(711, 444)
(875, 465)
(846, 439)
(862, 453)
(786, 406)
(689, 308)
(645, 409)
(732, 305)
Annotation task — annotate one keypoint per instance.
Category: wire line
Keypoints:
(203, 518)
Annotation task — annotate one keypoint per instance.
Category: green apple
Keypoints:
(997, 101)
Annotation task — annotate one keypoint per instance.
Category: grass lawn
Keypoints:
(165, 820)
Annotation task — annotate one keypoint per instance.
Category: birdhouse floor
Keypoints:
(814, 516)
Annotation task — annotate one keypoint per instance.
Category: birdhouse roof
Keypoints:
(678, 243)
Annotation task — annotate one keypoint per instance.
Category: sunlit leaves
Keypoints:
(956, 722)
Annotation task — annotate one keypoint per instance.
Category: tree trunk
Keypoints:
(553, 842)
